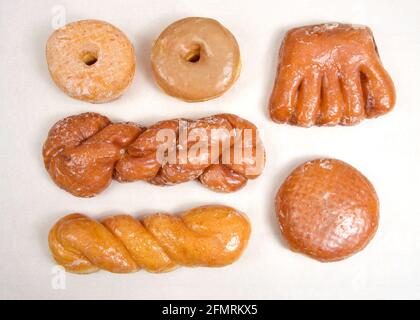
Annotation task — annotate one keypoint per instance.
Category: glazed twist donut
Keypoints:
(211, 236)
(330, 74)
(84, 152)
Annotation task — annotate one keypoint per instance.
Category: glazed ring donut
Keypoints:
(327, 210)
(91, 60)
(195, 59)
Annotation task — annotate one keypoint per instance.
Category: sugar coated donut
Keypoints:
(91, 60)
(327, 210)
(195, 59)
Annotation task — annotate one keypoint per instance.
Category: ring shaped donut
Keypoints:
(91, 60)
(327, 210)
(195, 59)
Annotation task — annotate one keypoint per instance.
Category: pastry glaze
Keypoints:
(83, 153)
(330, 74)
(91, 60)
(210, 236)
(195, 59)
(327, 210)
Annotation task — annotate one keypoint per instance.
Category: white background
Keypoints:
(386, 150)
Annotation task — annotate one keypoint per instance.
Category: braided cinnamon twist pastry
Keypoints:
(83, 153)
(211, 236)
(330, 74)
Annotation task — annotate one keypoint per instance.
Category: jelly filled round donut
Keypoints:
(195, 59)
(91, 60)
(327, 210)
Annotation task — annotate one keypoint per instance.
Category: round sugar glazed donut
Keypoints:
(195, 59)
(327, 210)
(91, 60)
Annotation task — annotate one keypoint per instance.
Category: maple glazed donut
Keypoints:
(327, 210)
(91, 60)
(195, 59)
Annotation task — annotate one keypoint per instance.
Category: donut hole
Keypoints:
(193, 55)
(89, 58)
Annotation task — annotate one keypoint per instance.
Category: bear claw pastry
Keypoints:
(91, 60)
(330, 74)
(83, 153)
(211, 236)
(327, 210)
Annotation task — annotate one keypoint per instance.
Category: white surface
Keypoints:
(386, 150)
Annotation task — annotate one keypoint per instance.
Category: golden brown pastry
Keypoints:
(195, 59)
(83, 153)
(210, 236)
(330, 74)
(91, 60)
(327, 210)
